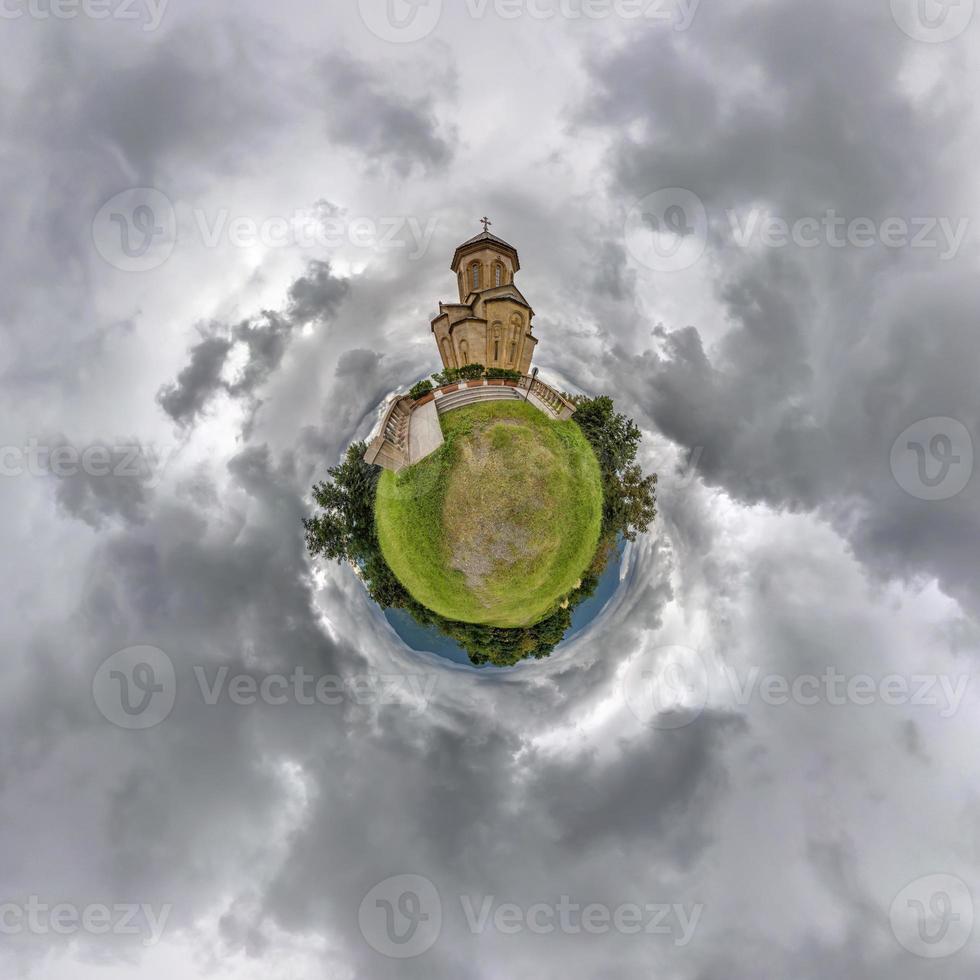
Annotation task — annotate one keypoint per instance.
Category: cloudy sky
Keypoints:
(224, 230)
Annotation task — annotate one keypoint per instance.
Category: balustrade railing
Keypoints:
(390, 446)
(555, 402)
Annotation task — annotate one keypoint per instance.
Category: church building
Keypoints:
(491, 323)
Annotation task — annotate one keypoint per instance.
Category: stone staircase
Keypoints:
(478, 393)
(390, 446)
(410, 429)
(396, 427)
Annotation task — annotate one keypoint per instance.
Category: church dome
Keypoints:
(485, 240)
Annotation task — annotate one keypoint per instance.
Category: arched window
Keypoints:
(475, 275)
(513, 351)
(464, 353)
(498, 275)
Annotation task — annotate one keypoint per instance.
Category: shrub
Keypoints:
(469, 372)
(473, 372)
(420, 389)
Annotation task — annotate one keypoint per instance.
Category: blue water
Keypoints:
(425, 638)
(429, 639)
(586, 611)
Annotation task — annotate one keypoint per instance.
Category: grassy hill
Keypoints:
(499, 524)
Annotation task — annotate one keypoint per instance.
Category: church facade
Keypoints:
(491, 323)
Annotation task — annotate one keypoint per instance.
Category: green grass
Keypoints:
(498, 525)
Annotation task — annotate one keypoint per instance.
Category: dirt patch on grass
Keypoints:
(491, 497)
(500, 544)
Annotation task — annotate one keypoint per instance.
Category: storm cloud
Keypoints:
(777, 833)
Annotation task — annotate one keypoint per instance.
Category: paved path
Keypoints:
(424, 432)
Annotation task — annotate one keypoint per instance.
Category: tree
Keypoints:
(629, 497)
(345, 529)
(614, 438)
(631, 506)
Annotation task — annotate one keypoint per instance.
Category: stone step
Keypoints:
(497, 391)
(470, 396)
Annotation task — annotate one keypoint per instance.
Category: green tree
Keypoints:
(382, 585)
(631, 505)
(629, 497)
(615, 438)
(345, 529)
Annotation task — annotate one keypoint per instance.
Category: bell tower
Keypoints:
(484, 262)
(491, 323)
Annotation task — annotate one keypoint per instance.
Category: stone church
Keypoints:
(491, 323)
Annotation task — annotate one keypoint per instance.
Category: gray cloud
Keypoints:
(383, 124)
(827, 356)
(196, 383)
(120, 485)
(785, 375)
(264, 341)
